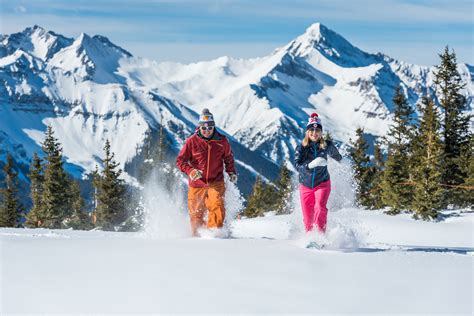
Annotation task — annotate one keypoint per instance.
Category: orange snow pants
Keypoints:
(210, 198)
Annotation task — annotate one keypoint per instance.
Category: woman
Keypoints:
(315, 185)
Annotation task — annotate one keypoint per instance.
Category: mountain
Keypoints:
(90, 89)
(264, 102)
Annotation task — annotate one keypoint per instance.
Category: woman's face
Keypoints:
(314, 134)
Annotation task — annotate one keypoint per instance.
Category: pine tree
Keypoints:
(257, 202)
(35, 216)
(455, 125)
(396, 192)
(328, 136)
(153, 155)
(377, 176)
(111, 194)
(362, 169)
(284, 189)
(10, 209)
(79, 219)
(56, 199)
(467, 163)
(428, 152)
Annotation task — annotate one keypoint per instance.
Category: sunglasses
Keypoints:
(314, 130)
(207, 128)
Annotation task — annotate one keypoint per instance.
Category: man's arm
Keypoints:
(184, 156)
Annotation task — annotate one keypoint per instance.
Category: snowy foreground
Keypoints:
(372, 263)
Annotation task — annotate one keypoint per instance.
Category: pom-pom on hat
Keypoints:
(314, 122)
(206, 118)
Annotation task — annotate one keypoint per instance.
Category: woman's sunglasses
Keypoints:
(207, 128)
(314, 130)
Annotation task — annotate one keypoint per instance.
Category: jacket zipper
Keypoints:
(314, 169)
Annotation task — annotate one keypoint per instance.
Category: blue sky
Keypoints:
(193, 30)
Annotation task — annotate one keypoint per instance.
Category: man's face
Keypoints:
(206, 131)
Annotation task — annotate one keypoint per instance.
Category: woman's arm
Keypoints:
(333, 152)
(300, 165)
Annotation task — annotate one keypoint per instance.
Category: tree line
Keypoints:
(428, 163)
(56, 197)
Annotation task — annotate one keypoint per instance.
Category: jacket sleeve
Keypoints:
(300, 165)
(333, 152)
(228, 158)
(184, 157)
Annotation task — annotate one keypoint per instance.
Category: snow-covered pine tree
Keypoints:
(428, 156)
(455, 125)
(362, 169)
(10, 208)
(56, 198)
(284, 188)
(35, 216)
(111, 193)
(396, 193)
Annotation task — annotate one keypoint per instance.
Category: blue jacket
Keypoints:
(311, 178)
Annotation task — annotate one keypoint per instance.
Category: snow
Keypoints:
(371, 262)
(260, 270)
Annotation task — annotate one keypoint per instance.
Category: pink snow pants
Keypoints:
(313, 203)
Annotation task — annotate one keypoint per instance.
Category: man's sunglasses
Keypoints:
(207, 128)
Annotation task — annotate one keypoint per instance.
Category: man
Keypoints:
(203, 158)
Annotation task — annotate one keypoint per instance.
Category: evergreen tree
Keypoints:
(396, 192)
(428, 152)
(153, 155)
(79, 219)
(328, 136)
(35, 216)
(56, 199)
(257, 203)
(377, 176)
(467, 164)
(362, 169)
(10, 209)
(111, 194)
(455, 125)
(284, 189)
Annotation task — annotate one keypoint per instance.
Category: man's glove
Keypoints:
(318, 162)
(195, 174)
(233, 177)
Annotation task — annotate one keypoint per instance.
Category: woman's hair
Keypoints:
(321, 140)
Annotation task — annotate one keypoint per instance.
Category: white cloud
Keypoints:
(21, 9)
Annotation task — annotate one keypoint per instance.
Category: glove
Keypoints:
(195, 174)
(318, 162)
(233, 177)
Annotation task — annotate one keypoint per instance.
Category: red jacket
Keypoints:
(208, 156)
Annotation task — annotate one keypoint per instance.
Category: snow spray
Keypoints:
(165, 208)
(341, 232)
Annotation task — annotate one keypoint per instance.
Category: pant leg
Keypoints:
(321, 195)
(307, 205)
(215, 205)
(197, 208)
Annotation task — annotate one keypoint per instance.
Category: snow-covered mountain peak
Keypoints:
(91, 58)
(34, 40)
(319, 39)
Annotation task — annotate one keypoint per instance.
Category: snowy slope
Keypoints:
(61, 271)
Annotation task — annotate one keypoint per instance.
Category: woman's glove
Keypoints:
(195, 174)
(318, 162)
